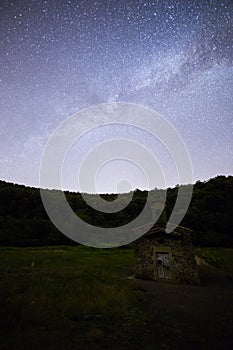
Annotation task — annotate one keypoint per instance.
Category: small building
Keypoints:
(166, 256)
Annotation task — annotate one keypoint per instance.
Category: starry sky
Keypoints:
(58, 57)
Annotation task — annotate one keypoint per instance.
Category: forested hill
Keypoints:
(24, 222)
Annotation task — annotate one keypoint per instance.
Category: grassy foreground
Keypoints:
(81, 298)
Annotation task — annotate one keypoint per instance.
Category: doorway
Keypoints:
(163, 268)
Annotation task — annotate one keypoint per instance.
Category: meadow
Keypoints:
(85, 298)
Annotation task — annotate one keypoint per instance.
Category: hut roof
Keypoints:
(151, 229)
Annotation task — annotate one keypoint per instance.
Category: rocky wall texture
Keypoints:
(182, 262)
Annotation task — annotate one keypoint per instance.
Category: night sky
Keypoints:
(58, 57)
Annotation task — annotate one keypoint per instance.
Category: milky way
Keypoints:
(57, 57)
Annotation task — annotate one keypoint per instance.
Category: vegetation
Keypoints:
(218, 257)
(24, 222)
(57, 295)
(80, 298)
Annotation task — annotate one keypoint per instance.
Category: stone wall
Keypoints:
(181, 257)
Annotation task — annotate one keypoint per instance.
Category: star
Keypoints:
(58, 57)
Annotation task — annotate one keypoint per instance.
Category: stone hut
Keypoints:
(166, 256)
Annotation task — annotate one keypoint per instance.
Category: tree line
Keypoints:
(24, 222)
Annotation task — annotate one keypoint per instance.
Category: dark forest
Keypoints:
(24, 222)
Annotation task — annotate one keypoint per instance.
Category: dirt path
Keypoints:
(181, 317)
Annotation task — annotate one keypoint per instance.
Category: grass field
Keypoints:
(218, 257)
(81, 298)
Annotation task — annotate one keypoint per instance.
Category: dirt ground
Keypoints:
(118, 312)
(182, 317)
